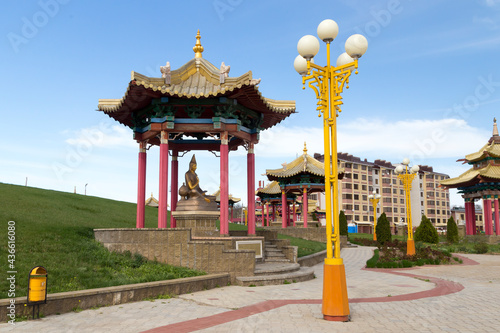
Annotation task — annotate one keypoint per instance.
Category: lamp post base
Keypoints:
(410, 247)
(335, 301)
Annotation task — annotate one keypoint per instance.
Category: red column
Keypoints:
(232, 209)
(305, 207)
(488, 225)
(497, 217)
(294, 213)
(163, 196)
(224, 184)
(174, 188)
(274, 212)
(283, 208)
(141, 186)
(473, 217)
(267, 214)
(467, 219)
(251, 189)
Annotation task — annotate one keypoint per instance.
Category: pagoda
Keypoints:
(271, 195)
(481, 181)
(195, 107)
(303, 176)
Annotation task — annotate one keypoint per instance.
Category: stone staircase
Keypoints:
(276, 269)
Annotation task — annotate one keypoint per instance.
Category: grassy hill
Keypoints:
(54, 229)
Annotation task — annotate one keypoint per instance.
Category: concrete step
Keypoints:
(303, 274)
(272, 249)
(274, 255)
(276, 259)
(275, 268)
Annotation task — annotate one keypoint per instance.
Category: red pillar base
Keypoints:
(410, 247)
(335, 302)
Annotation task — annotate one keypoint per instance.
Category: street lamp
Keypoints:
(374, 199)
(328, 84)
(406, 175)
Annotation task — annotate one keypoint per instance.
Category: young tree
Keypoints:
(451, 231)
(383, 229)
(343, 224)
(426, 232)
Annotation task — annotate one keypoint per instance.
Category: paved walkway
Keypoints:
(457, 298)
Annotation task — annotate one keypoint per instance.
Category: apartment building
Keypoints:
(362, 177)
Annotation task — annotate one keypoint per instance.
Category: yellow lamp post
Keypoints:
(328, 84)
(374, 199)
(406, 175)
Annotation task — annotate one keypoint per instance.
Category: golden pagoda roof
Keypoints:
(303, 163)
(271, 188)
(489, 171)
(197, 79)
(490, 149)
(216, 194)
(151, 201)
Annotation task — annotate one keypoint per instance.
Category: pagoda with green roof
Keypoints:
(481, 181)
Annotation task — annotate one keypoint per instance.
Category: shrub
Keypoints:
(481, 248)
(383, 229)
(342, 223)
(451, 231)
(426, 232)
(372, 262)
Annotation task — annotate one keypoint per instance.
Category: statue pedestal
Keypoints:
(201, 223)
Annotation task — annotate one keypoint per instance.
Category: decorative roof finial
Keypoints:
(495, 128)
(305, 148)
(198, 49)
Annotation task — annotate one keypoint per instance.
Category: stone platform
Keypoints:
(202, 223)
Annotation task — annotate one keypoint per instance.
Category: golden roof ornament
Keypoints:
(495, 128)
(305, 148)
(198, 49)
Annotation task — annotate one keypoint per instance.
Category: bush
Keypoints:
(426, 232)
(481, 248)
(451, 231)
(342, 223)
(383, 229)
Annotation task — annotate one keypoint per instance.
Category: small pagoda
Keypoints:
(303, 176)
(271, 196)
(196, 107)
(481, 181)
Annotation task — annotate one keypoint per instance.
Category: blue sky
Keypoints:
(428, 86)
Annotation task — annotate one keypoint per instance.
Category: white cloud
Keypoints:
(374, 138)
(102, 135)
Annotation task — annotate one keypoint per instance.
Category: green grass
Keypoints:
(305, 247)
(55, 230)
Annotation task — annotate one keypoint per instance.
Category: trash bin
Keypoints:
(37, 286)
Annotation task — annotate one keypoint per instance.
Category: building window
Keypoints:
(363, 167)
(356, 207)
(363, 177)
(363, 187)
(354, 166)
(395, 210)
(365, 218)
(365, 208)
(386, 190)
(348, 186)
(394, 181)
(356, 186)
(387, 200)
(376, 180)
(365, 197)
(394, 191)
(355, 176)
(395, 200)
(348, 165)
(356, 197)
(402, 201)
(387, 209)
(347, 196)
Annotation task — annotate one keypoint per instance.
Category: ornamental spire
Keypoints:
(198, 49)
(495, 128)
(305, 148)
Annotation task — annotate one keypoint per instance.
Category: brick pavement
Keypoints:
(440, 305)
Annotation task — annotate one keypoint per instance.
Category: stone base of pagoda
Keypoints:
(201, 223)
(310, 224)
